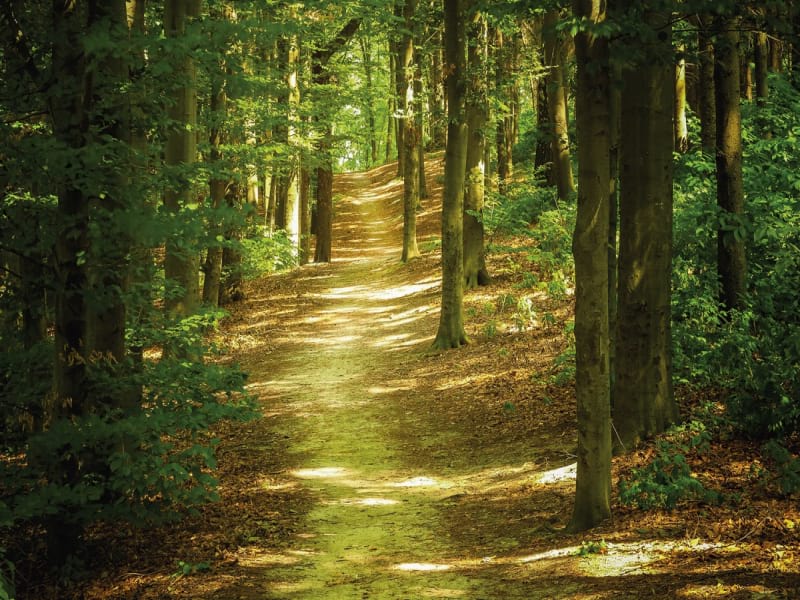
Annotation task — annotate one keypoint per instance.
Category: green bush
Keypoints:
(668, 480)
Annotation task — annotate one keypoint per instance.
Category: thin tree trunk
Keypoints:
(557, 105)
(451, 333)
(475, 272)
(410, 134)
(707, 104)
(731, 263)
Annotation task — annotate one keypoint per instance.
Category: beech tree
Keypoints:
(451, 333)
(593, 484)
(731, 261)
(475, 272)
(643, 399)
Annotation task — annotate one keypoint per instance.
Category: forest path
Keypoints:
(337, 384)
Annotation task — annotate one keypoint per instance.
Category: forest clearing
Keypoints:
(399, 299)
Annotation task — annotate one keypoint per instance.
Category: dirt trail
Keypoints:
(372, 531)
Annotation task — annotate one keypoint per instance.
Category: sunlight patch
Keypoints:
(422, 567)
(319, 472)
(368, 502)
(560, 474)
(548, 554)
(416, 482)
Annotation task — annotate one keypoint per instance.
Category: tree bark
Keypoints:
(182, 261)
(504, 132)
(451, 333)
(475, 272)
(707, 105)
(731, 262)
(410, 134)
(593, 482)
(644, 403)
(557, 107)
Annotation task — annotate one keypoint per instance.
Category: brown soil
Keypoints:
(382, 471)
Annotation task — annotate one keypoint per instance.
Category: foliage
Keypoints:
(753, 352)
(667, 479)
(787, 467)
(592, 547)
(263, 254)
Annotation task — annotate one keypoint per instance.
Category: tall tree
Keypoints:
(475, 272)
(643, 400)
(321, 77)
(451, 333)
(411, 133)
(707, 104)
(557, 106)
(182, 260)
(593, 483)
(731, 262)
(504, 56)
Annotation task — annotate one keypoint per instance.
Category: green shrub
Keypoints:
(668, 480)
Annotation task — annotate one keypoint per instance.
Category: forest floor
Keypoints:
(382, 471)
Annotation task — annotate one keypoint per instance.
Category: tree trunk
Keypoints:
(731, 263)
(436, 94)
(475, 272)
(643, 400)
(322, 252)
(451, 332)
(182, 262)
(504, 142)
(305, 215)
(707, 105)
(557, 106)
(217, 184)
(762, 62)
(366, 55)
(410, 134)
(291, 208)
(593, 482)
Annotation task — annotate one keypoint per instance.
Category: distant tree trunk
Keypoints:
(324, 196)
(217, 182)
(305, 214)
(419, 123)
(181, 262)
(681, 131)
(324, 227)
(366, 55)
(731, 263)
(291, 207)
(391, 104)
(557, 106)
(397, 51)
(544, 149)
(475, 272)
(451, 333)
(707, 107)
(643, 400)
(504, 137)
(217, 185)
(410, 134)
(746, 77)
(762, 63)
(593, 481)
(436, 94)
(231, 289)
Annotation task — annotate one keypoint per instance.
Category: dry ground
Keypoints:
(382, 471)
